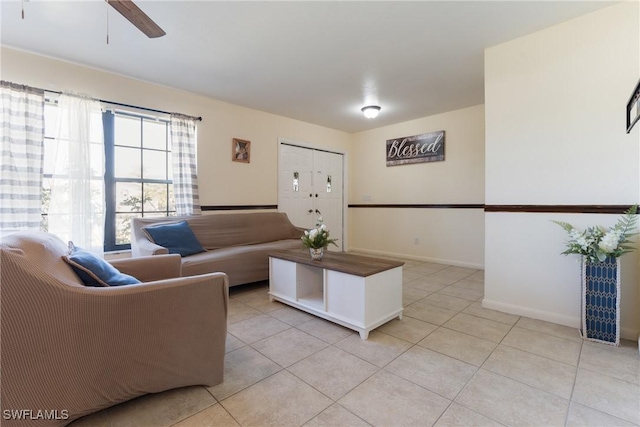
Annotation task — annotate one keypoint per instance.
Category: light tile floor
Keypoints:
(448, 362)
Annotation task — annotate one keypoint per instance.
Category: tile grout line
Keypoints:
(451, 401)
(306, 357)
(478, 368)
(197, 412)
(569, 400)
(573, 386)
(334, 401)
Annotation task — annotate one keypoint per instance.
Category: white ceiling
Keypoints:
(318, 61)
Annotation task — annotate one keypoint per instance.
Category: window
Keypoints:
(138, 171)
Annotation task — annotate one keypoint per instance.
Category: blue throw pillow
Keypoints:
(95, 271)
(176, 236)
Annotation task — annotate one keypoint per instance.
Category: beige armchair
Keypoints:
(72, 350)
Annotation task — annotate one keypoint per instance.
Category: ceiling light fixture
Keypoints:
(370, 111)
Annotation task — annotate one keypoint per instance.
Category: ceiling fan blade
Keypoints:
(137, 17)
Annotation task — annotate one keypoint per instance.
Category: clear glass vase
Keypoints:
(316, 253)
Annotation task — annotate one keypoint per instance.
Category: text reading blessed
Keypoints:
(426, 147)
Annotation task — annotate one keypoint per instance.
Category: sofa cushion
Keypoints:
(95, 271)
(243, 264)
(225, 230)
(175, 236)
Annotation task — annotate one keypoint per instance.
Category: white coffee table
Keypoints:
(358, 292)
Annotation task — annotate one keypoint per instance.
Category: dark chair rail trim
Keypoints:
(420, 206)
(601, 209)
(237, 207)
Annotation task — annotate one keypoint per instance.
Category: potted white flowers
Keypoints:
(317, 239)
(601, 250)
(596, 243)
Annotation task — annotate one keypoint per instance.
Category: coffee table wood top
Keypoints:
(356, 265)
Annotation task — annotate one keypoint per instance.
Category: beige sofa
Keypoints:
(72, 350)
(236, 244)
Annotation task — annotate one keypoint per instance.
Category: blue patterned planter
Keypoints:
(601, 301)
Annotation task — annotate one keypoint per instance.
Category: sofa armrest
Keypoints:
(150, 268)
(142, 246)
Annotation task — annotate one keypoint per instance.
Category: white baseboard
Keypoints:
(518, 310)
(630, 334)
(452, 262)
(560, 319)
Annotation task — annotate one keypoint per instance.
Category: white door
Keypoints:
(295, 185)
(327, 187)
(310, 185)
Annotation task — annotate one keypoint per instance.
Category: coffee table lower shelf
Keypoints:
(347, 323)
(360, 301)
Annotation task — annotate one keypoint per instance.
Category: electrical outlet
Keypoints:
(416, 241)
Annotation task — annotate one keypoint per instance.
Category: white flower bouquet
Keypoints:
(596, 243)
(318, 237)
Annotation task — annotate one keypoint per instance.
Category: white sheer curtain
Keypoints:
(21, 139)
(185, 178)
(77, 207)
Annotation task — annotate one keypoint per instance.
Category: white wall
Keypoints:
(555, 134)
(222, 182)
(454, 236)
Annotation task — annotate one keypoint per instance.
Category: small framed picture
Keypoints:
(240, 150)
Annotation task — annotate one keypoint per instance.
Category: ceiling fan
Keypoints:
(137, 17)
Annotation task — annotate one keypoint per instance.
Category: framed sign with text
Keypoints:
(426, 147)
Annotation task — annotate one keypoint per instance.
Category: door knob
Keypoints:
(310, 210)
(318, 212)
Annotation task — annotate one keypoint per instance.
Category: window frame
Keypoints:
(111, 181)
